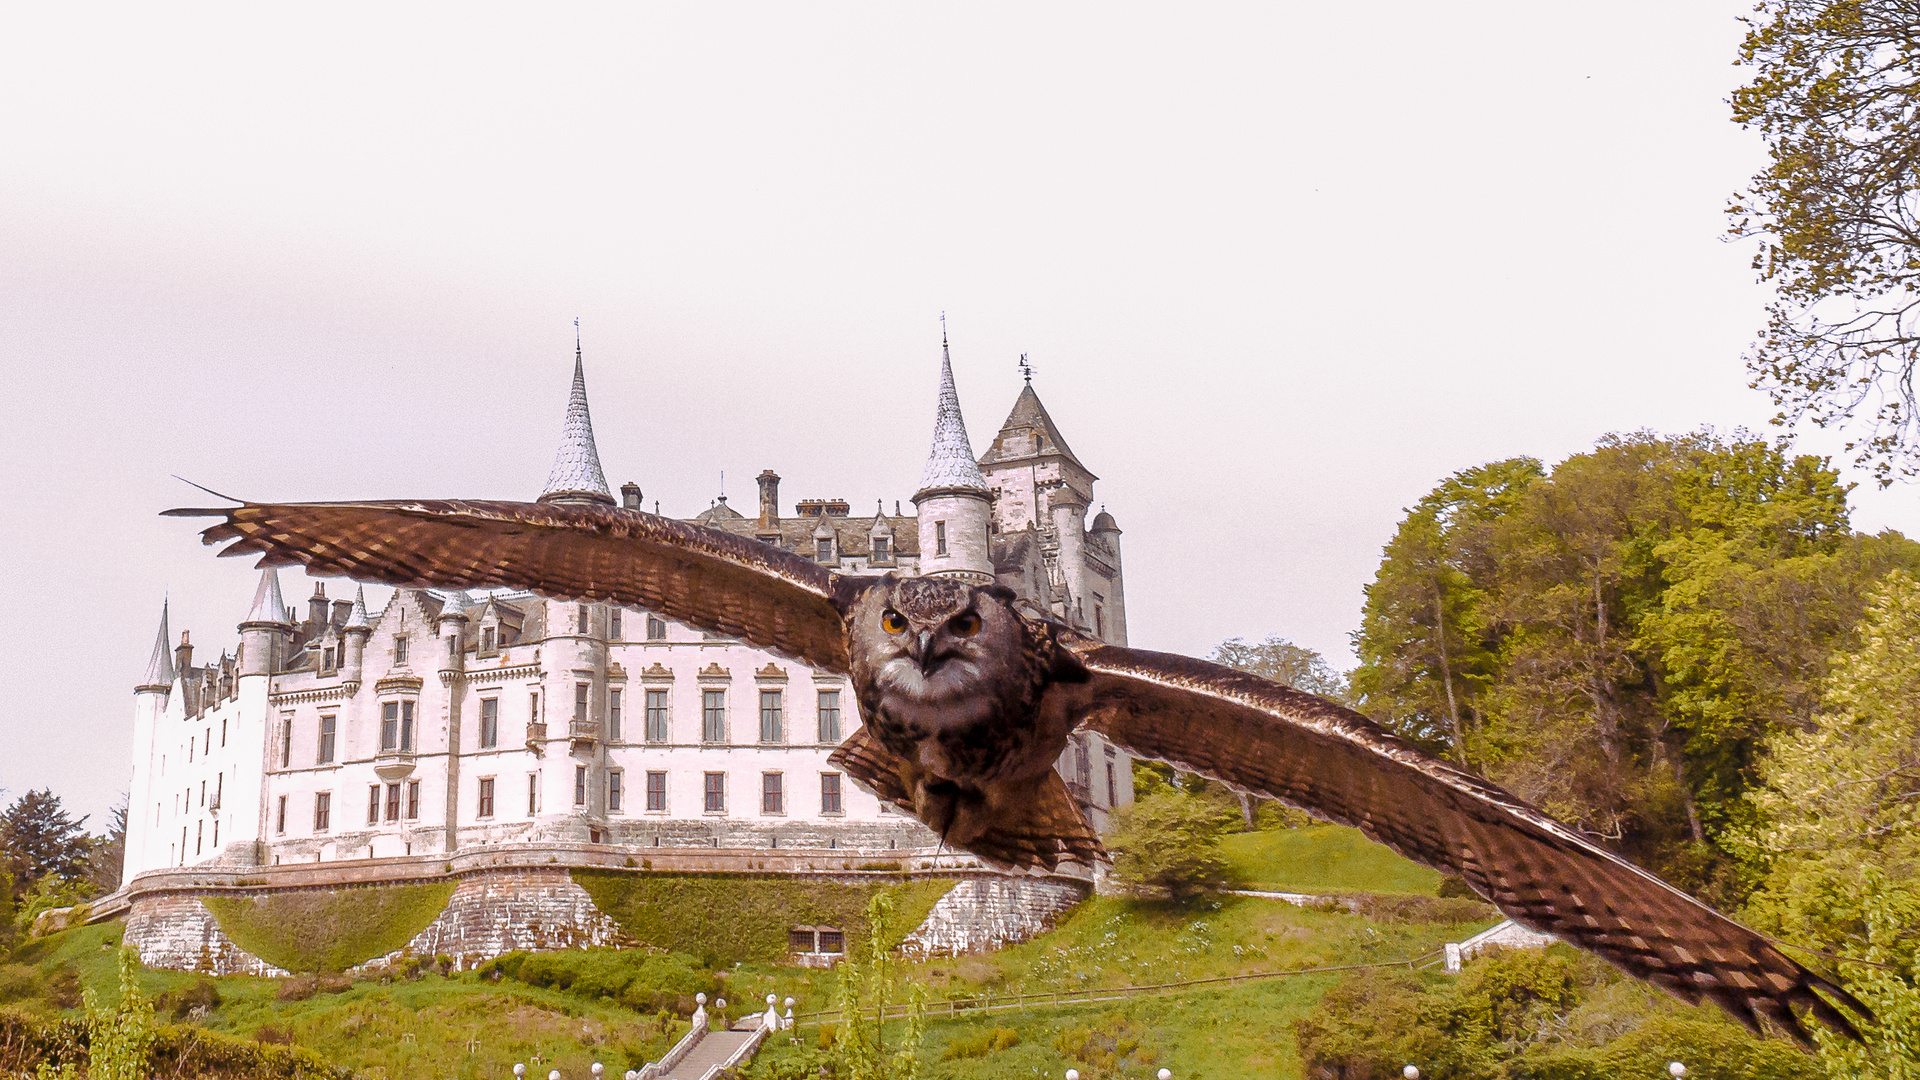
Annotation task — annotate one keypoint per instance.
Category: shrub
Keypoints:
(981, 1043)
(1107, 1047)
(302, 987)
(194, 1000)
(274, 1034)
(1170, 839)
(644, 982)
(20, 982)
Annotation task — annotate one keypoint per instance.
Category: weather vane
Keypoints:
(1026, 369)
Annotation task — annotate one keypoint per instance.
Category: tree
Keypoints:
(1838, 831)
(1427, 647)
(1276, 658)
(1834, 92)
(109, 852)
(39, 839)
(866, 989)
(1170, 839)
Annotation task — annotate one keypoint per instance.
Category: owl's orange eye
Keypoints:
(965, 625)
(893, 623)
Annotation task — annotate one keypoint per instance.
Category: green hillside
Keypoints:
(1324, 859)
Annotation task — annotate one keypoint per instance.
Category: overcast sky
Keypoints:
(1280, 268)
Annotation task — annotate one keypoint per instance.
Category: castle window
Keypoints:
(489, 722)
(579, 785)
(280, 817)
(533, 707)
(219, 785)
(656, 628)
(1099, 622)
(390, 725)
(582, 609)
(713, 715)
(322, 811)
(823, 549)
(326, 659)
(413, 800)
(486, 796)
(657, 792)
(406, 725)
(489, 640)
(203, 793)
(199, 834)
(613, 715)
(223, 731)
(880, 549)
(770, 721)
(716, 792)
(939, 538)
(613, 624)
(1113, 788)
(325, 755)
(393, 801)
(373, 804)
(615, 790)
(453, 647)
(400, 649)
(829, 716)
(656, 716)
(533, 794)
(830, 793)
(772, 797)
(580, 691)
(286, 740)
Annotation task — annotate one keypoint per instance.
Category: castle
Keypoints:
(448, 724)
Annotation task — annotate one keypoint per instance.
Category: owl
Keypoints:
(967, 701)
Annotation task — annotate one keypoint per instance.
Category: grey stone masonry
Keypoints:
(535, 910)
(177, 932)
(985, 913)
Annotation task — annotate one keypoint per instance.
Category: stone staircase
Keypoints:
(718, 1049)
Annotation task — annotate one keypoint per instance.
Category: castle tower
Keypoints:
(149, 706)
(576, 476)
(1110, 622)
(265, 627)
(453, 666)
(953, 502)
(358, 629)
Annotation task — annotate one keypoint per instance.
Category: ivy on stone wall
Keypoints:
(731, 918)
(329, 929)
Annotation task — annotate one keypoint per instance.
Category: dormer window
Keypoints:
(823, 549)
(400, 649)
(489, 640)
(326, 659)
(882, 549)
(656, 628)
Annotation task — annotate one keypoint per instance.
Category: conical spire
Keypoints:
(950, 465)
(358, 618)
(160, 666)
(267, 605)
(576, 475)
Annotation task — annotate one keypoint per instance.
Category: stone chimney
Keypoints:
(317, 606)
(183, 655)
(342, 611)
(630, 496)
(769, 501)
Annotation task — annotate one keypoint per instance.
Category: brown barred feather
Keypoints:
(1278, 742)
(702, 577)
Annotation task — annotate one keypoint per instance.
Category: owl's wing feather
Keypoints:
(1278, 742)
(702, 577)
(1045, 830)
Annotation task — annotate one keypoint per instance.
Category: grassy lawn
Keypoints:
(1324, 859)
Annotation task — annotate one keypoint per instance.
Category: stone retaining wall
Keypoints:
(177, 932)
(984, 913)
(535, 910)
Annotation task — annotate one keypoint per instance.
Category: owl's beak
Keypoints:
(925, 641)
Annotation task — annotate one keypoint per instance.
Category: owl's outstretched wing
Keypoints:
(1275, 741)
(702, 577)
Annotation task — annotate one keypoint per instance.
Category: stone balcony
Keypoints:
(393, 763)
(582, 735)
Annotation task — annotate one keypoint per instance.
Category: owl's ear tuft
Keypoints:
(1000, 593)
(847, 591)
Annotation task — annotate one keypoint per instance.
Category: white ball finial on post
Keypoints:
(553, 1075)
(1073, 1074)
(1676, 1070)
(598, 1068)
(520, 1069)
(1165, 1074)
(1411, 1072)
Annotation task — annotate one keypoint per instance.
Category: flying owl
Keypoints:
(967, 701)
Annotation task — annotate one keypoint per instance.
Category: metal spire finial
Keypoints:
(1026, 369)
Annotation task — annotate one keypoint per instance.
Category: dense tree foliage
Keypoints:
(1835, 92)
(1169, 838)
(1616, 639)
(1836, 833)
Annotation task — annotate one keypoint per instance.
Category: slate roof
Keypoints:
(1028, 432)
(576, 475)
(160, 665)
(950, 463)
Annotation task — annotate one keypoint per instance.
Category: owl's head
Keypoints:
(936, 639)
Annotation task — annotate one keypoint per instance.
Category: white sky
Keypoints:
(1281, 268)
